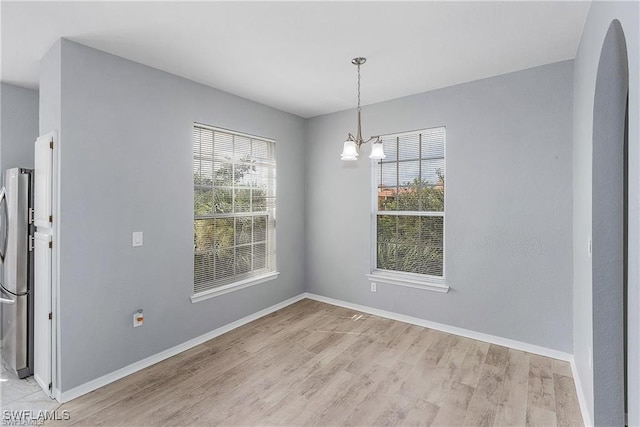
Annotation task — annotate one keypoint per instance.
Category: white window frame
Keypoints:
(245, 282)
(400, 278)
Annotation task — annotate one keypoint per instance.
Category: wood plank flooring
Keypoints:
(316, 364)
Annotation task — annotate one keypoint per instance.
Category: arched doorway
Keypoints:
(609, 218)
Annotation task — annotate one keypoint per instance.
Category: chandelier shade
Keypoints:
(349, 151)
(377, 151)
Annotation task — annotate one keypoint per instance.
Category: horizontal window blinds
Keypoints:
(410, 203)
(234, 207)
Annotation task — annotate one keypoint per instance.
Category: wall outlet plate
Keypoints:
(138, 318)
(374, 287)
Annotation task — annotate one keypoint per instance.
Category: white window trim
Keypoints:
(235, 286)
(398, 278)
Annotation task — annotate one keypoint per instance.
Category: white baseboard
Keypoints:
(158, 357)
(582, 399)
(493, 339)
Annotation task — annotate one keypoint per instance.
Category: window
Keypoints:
(409, 212)
(234, 209)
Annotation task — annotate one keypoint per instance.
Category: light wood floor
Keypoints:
(317, 364)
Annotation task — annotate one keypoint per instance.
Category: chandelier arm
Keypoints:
(377, 138)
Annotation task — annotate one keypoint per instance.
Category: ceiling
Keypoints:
(296, 56)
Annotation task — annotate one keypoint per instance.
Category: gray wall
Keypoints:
(51, 90)
(125, 165)
(508, 207)
(18, 126)
(608, 229)
(599, 19)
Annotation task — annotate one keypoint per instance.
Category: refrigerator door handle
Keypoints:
(3, 201)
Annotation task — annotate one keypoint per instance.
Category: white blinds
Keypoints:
(410, 207)
(234, 207)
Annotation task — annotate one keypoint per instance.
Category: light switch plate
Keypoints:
(136, 238)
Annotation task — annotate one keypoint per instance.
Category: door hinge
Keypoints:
(30, 243)
(51, 144)
(50, 245)
(31, 215)
(50, 316)
(51, 219)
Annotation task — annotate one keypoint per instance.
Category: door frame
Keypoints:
(55, 269)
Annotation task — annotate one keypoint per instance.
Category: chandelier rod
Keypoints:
(359, 140)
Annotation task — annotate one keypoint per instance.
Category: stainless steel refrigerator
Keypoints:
(16, 284)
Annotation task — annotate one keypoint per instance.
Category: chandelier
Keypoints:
(352, 145)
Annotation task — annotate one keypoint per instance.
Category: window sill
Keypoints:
(215, 292)
(434, 285)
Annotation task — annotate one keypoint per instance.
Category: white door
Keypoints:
(43, 284)
(42, 311)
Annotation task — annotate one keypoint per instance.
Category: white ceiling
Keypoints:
(296, 56)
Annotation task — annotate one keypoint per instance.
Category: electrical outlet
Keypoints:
(138, 318)
(373, 287)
